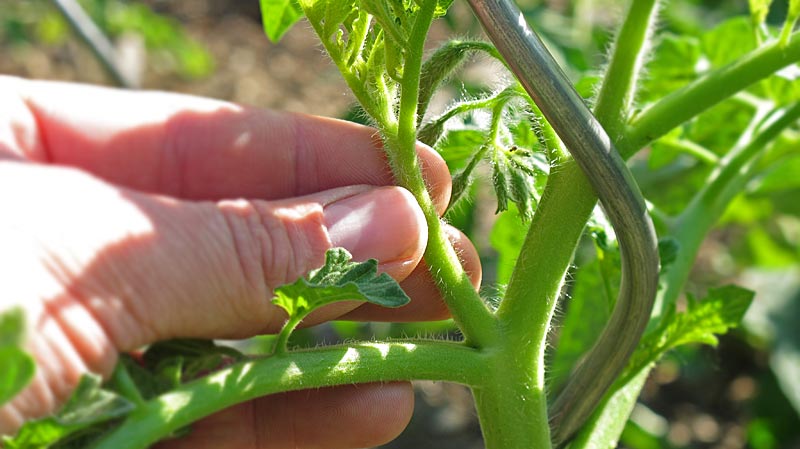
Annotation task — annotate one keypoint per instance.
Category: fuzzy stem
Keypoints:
(469, 311)
(329, 366)
(619, 84)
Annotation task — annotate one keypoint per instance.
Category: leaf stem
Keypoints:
(282, 340)
(705, 92)
(619, 84)
(475, 320)
(329, 366)
(705, 209)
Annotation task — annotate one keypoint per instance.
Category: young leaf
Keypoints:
(340, 279)
(278, 16)
(17, 366)
(84, 417)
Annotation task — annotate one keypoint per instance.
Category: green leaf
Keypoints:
(441, 64)
(340, 279)
(702, 321)
(720, 311)
(181, 360)
(278, 16)
(674, 64)
(589, 307)
(17, 372)
(507, 236)
(728, 41)
(17, 367)
(84, 418)
(12, 327)
(458, 146)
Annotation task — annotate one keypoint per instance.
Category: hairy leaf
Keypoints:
(340, 279)
(278, 16)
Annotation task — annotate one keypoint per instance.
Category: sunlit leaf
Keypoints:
(278, 16)
(340, 279)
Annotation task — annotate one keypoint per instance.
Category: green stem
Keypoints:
(282, 340)
(329, 366)
(619, 84)
(705, 209)
(511, 405)
(475, 320)
(705, 92)
(698, 151)
(607, 174)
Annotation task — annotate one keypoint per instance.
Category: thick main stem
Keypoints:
(605, 170)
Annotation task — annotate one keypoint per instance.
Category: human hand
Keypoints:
(134, 217)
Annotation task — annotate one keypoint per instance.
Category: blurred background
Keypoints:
(743, 394)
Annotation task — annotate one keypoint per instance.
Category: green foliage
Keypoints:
(83, 419)
(18, 367)
(702, 321)
(340, 279)
(278, 16)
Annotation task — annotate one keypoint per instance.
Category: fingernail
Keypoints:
(382, 223)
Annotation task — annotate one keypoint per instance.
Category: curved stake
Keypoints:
(619, 195)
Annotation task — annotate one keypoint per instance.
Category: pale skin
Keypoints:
(134, 217)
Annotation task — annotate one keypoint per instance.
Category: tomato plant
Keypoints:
(721, 111)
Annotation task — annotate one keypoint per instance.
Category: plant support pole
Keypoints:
(619, 195)
(102, 48)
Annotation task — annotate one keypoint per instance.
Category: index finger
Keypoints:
(203, 149)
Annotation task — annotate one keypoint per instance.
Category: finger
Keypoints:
(197, 148)
(149, 268)
(347, 417)
(426, 300)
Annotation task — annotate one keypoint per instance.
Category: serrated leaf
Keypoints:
(674, 64)
(702, 321)
(720, 311)
(439, 66)
(340, 279)
(500, 184)
(458, 146)
(278, 16)
(84, 416)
